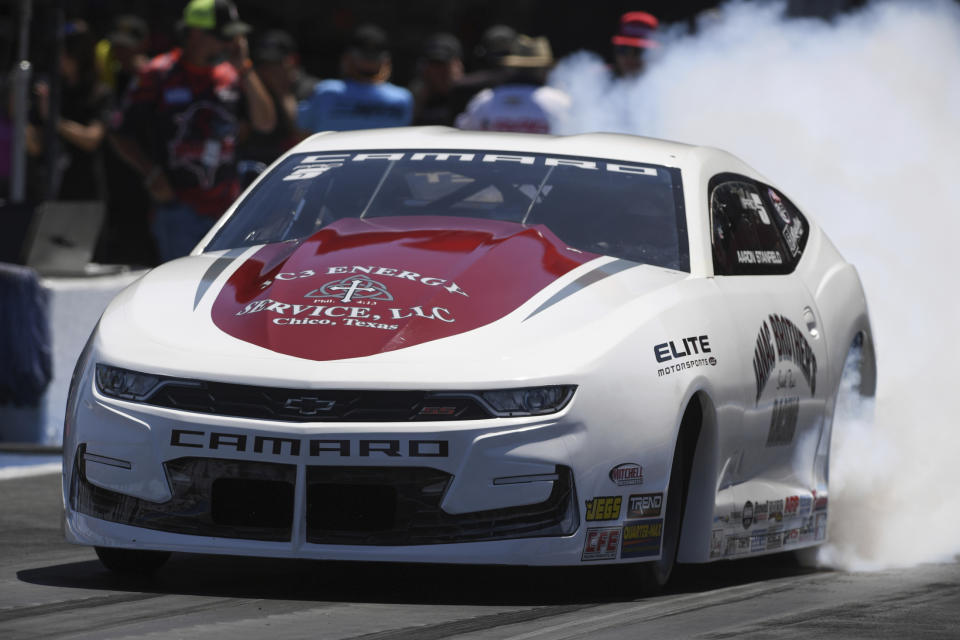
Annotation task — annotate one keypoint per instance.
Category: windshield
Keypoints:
(626, 210)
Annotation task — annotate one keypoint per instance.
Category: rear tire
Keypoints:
(132, 561)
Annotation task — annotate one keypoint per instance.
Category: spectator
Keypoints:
(495, 43)
(120, 56)
(439, 69)
(275, 60)
(522, 103)
(364, 99)
(178, 126)
(80, 123)
(279, 47)
(125, 236)
(631, 43)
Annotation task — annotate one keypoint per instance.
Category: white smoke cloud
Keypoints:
(858, 120)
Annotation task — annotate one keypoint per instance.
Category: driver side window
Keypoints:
(746, 238)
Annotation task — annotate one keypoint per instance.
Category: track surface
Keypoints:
(49, 589)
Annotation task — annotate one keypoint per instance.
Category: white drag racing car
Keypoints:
(426, 345)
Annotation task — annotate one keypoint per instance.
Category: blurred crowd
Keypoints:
(167, 142)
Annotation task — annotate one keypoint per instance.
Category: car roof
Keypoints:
(600, 145)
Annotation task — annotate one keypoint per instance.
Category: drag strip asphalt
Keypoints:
(49, 589)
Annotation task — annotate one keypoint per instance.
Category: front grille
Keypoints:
(306, 405)
(211, 497)
(344, 505)
(401, 506)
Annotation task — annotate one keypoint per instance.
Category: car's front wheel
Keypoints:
(132, 561)
(653, 576)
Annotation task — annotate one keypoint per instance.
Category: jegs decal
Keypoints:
(603, 508)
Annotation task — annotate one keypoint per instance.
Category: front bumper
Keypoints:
(501, 491)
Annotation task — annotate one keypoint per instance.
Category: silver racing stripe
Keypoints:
(217, 267)
(591, 277)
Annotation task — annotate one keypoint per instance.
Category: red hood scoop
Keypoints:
(361, 287)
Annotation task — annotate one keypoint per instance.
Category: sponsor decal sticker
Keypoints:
(603, 508)
(779, 341)
(682, 349)
(783, 421)
(716, 543)
(758, 540)
(792, 228)
(641, 538)
(820, 527)
(775, 510)
(791, 537)
(601, 544)
(806, 529)
(774, 537)
(645, 505)
(791, 506)
(626, 474)
(806, 505)
(747, 514)
(820, 504)
(760, 512)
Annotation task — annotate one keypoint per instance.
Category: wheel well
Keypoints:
(862, 345)
(697, 434)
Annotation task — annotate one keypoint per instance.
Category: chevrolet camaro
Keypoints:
(428, 345)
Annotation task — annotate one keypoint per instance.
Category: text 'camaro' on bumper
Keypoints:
(427, 345)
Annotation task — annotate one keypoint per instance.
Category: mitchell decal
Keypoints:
(791, 346)
(626, 474)
(315, 447)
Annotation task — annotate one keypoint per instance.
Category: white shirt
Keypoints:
(515, 107)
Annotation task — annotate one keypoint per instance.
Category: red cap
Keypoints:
(636, 30)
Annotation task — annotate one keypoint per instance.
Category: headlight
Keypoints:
(121, 383)
(529, 401)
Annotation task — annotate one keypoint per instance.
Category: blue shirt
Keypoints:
(344, 105)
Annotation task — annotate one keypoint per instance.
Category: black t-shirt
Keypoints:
(81, 172)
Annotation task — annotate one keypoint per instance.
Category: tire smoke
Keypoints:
(858, 120)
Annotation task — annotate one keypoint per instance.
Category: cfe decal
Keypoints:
(779, 340)
(601, 544)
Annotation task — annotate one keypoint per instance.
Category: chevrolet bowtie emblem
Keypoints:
(309, 405)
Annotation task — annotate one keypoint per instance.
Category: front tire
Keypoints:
(132, 561)
(653, 576)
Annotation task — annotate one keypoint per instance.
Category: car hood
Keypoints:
(362, 287)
